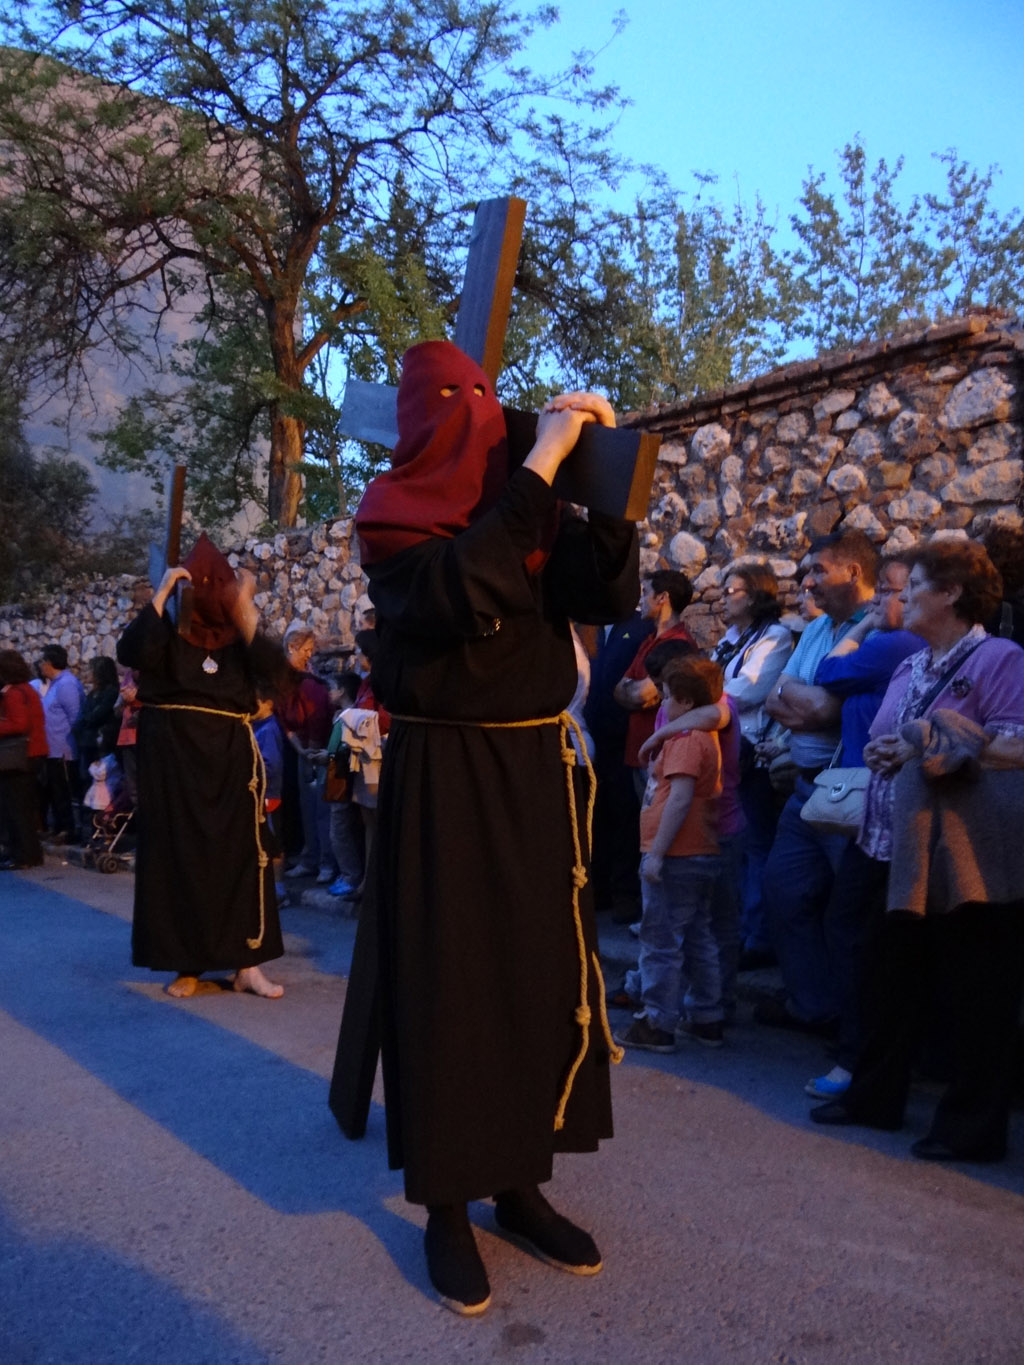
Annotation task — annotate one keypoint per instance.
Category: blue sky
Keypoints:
(755, 91)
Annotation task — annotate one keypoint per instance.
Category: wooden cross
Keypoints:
(609, 470)
(163, 558)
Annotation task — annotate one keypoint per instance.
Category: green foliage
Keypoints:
(867, 264)
(46, 505)
(156, 147)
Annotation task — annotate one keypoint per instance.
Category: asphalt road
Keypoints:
(173, 1188)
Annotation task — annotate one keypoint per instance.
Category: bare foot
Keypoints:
(182, 987)
(251, 979)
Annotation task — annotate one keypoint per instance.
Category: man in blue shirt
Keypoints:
(801, 867)
(858, 670)
(61, 705)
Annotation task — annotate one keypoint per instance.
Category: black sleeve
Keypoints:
(459, 588)
(267, 660)
(593, 573)
(144, 641)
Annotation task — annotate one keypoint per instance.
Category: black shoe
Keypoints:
(527, 1215)
(709, 1032)
(832, 1113)
(753, 959)
(453, 1261)
(931, 1149)
(836, 1115)
(643, 1035)
(775, 1014)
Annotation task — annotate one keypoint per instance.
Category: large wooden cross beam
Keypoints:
(164, 557)
(609, 470)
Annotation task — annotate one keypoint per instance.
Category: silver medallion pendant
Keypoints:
(210, 665)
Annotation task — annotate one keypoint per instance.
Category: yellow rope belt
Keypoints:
(566, 724)
(257, 787)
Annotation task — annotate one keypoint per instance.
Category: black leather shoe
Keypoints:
(832, 1113)
(755, 959)
(836, 1115)
(775, 1014)
(931, 1149)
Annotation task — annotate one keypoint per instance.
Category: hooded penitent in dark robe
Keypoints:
(202, 900)
(494, 1046)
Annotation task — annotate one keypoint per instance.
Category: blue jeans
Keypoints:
(798, 880)
(676, 941)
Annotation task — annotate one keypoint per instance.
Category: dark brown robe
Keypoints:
(480, 971)
(197, 878)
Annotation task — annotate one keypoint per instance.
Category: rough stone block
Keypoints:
(916, 508)
(984, 396)
(865, 445)
(823, 518)
(823, 451)
(998, 482)
(706, 516)
(848, 421)
(847, 479)
(894, 473)
(672, 454)
(732, 502)
(994, 443)
(935, 471)
(901, 540)
(792, 428)
(862, 518)
(804, 482)
(835, 402)
(878, 403)
(731, 471)
(687, 553)
(776, 460)
(710, 443)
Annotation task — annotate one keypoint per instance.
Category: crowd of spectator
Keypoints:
(900, 944)
(900, 940)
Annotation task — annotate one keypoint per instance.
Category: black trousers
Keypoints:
(62, 790)
(977, 954)
(19, 815)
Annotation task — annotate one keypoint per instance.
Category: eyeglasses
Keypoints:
(735, 592)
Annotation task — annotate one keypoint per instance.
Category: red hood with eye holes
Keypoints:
(451, 460)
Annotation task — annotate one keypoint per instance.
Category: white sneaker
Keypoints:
(325, 875)
(299, 870)
(831, 1086)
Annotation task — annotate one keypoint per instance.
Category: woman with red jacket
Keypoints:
(21, 713)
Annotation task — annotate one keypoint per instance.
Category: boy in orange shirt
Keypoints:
(680, 863)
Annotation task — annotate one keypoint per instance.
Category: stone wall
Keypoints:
(899, 438)
(309, 576)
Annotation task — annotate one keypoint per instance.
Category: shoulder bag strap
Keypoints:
(933, 691)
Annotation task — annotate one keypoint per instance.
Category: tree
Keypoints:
(255, 147)
(866, 265)
(46, 505)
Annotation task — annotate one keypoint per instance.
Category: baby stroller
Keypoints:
(108, 849)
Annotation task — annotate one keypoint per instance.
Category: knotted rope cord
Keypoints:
(582, 1014)
(257, 786)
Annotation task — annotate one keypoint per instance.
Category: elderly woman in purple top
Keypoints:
(977, 943)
